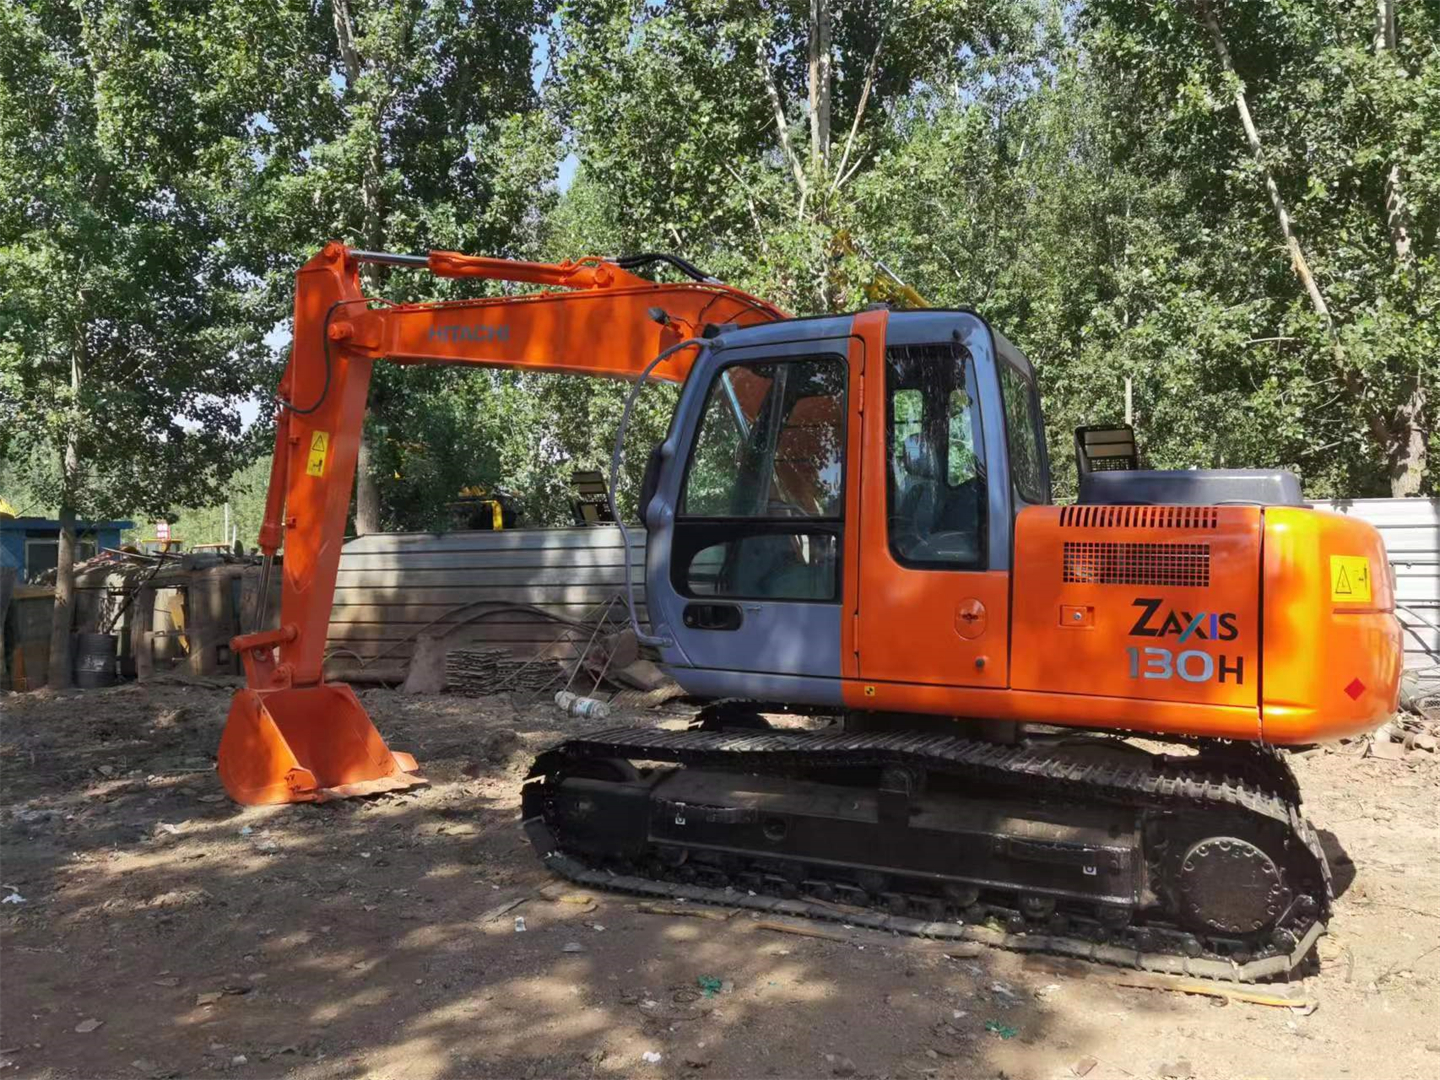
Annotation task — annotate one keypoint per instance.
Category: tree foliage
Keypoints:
(128, 329)
(1345, 112)
(1083, 174)
(404, 127)
(710, 126)
(127, 326)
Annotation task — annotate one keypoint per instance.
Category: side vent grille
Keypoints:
(1140, 517)
(1108, 563)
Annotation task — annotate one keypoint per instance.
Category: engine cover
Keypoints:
(1153, 602)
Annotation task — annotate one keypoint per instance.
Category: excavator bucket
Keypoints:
(306, 744)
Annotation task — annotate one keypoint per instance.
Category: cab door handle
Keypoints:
(713, 616)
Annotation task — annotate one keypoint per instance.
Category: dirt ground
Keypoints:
(166, 932)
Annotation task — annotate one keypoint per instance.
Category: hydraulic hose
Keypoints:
(615, 457)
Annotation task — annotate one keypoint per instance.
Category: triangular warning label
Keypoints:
(319, 441)
(1350, 579)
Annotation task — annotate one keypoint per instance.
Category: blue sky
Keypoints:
(567, 172)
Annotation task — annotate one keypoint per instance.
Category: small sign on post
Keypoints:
(162, 530)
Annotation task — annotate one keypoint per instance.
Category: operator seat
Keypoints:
(771, 567)
(918, 498)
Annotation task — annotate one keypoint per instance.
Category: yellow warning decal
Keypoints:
(1350, 578)
(319, 448)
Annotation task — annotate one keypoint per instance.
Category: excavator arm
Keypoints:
(290, 735)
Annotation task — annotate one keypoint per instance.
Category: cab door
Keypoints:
(746, 541)
(932, 582)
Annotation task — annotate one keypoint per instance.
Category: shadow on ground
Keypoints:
(1342, 867)
(377, 938)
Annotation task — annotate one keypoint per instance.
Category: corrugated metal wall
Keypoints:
(1411, 528)
(394, 586)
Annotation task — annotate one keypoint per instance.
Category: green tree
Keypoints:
(1023, 190)
(400, 125)
(733, 131)
(1083, 175)
(1304, 133)
(1120, 225)
(128, 327)
(244, 494)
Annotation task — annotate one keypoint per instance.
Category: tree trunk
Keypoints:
(345, 38)
(367, 492)
(7, 588)
(819, 78)
(1408, 447)
(1384, 25)
(819, 85)
(1397, 215)
(1401, 438)
(840, 174)
(1406, 435)
(59, 675)
(782, 132)
(372, 192)
(1282, 215)
(1397, 207)
(60, 629)
(372, 229)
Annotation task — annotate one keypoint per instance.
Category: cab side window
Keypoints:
(936, 497)
(1024, 436)
(771, 443)
(760, 513)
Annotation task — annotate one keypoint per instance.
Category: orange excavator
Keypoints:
(1052, 728)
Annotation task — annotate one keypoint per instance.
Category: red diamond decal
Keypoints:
(1355, 689)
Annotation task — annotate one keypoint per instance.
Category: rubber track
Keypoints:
(1155, 788)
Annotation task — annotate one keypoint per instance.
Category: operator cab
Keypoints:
(913, 437)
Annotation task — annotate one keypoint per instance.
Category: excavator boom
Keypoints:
(291, 736)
